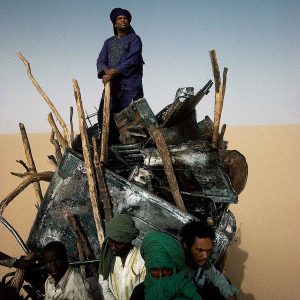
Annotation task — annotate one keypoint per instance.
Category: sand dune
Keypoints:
(264, 260)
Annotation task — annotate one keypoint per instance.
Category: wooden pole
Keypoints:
(58, 135)
(30, 162)
(219, 96)
(71, 125)
(88, 163)
(105, 124)
(45, 97)
(168, 167)
(103, 190)
(55, 143)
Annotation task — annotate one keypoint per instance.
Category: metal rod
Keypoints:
(15, 234)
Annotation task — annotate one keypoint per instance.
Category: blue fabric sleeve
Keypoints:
(219, 280)
(132, 59)
(102, 61)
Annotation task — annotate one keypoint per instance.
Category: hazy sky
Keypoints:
(258, 41)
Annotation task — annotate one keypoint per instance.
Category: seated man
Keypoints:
(197, 241)
(121, 266)
(63, 281)
(165, 279)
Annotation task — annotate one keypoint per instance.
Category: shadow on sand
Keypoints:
(235, 266)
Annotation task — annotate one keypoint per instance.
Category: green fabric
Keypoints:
(176, 287)
(160, 250)
(120, 228)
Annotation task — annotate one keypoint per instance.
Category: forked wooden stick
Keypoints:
(58, 135)
(89, 164)
(30, 178)
(45, 97)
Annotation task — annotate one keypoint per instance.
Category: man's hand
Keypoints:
(233, 297)
(111, 72)
(22, 263)
(106, 78)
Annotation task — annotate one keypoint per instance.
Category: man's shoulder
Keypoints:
(110, 39)
(133, 36)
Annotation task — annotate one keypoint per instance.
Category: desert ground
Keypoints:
(263, 261)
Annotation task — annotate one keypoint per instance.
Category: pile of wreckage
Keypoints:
(167, 170)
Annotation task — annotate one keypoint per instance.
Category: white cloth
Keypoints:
(72, 286)
(123, 279)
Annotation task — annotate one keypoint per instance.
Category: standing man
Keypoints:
(63, 281)
(197, 240)
(120, 62)
(121, 266)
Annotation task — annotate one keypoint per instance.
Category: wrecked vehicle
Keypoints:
(167, 170)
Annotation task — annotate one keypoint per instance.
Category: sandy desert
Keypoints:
(264, 258)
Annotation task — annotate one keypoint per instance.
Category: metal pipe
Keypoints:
(15, 234)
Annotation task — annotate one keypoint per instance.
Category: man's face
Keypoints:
(122, 23)
(161, 272)
(119, 249)
(56, 265)
(201, 250)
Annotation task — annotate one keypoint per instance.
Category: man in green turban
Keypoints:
(121, 266)
(165, 279)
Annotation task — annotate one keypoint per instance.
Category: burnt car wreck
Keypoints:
(167, 169)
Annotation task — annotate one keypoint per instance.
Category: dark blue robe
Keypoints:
(124, 55)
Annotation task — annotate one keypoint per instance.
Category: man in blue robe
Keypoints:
(120, 62)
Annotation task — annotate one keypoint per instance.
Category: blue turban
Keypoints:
(119, 12)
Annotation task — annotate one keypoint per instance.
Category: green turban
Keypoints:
(160, 250)
(120, 228)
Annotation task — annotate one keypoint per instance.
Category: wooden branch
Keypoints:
(71, 125)
(221, 137)
(168, 167)
(215, 67)
(43, 176)
(52, 160)
(219, 96)
(55, 143)
(45, 97)
(82, 257)
(81, 236)
(19, 276)
(59, 136)
(31, 163)
(224, 82)
(23, 164)
(83, 243)
(22, 175)
(103, 190)
(88, 163)
(105, 124)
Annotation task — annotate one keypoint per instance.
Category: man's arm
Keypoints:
(102, 61)
(106, 292)
(218, 279)
(126, 67)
